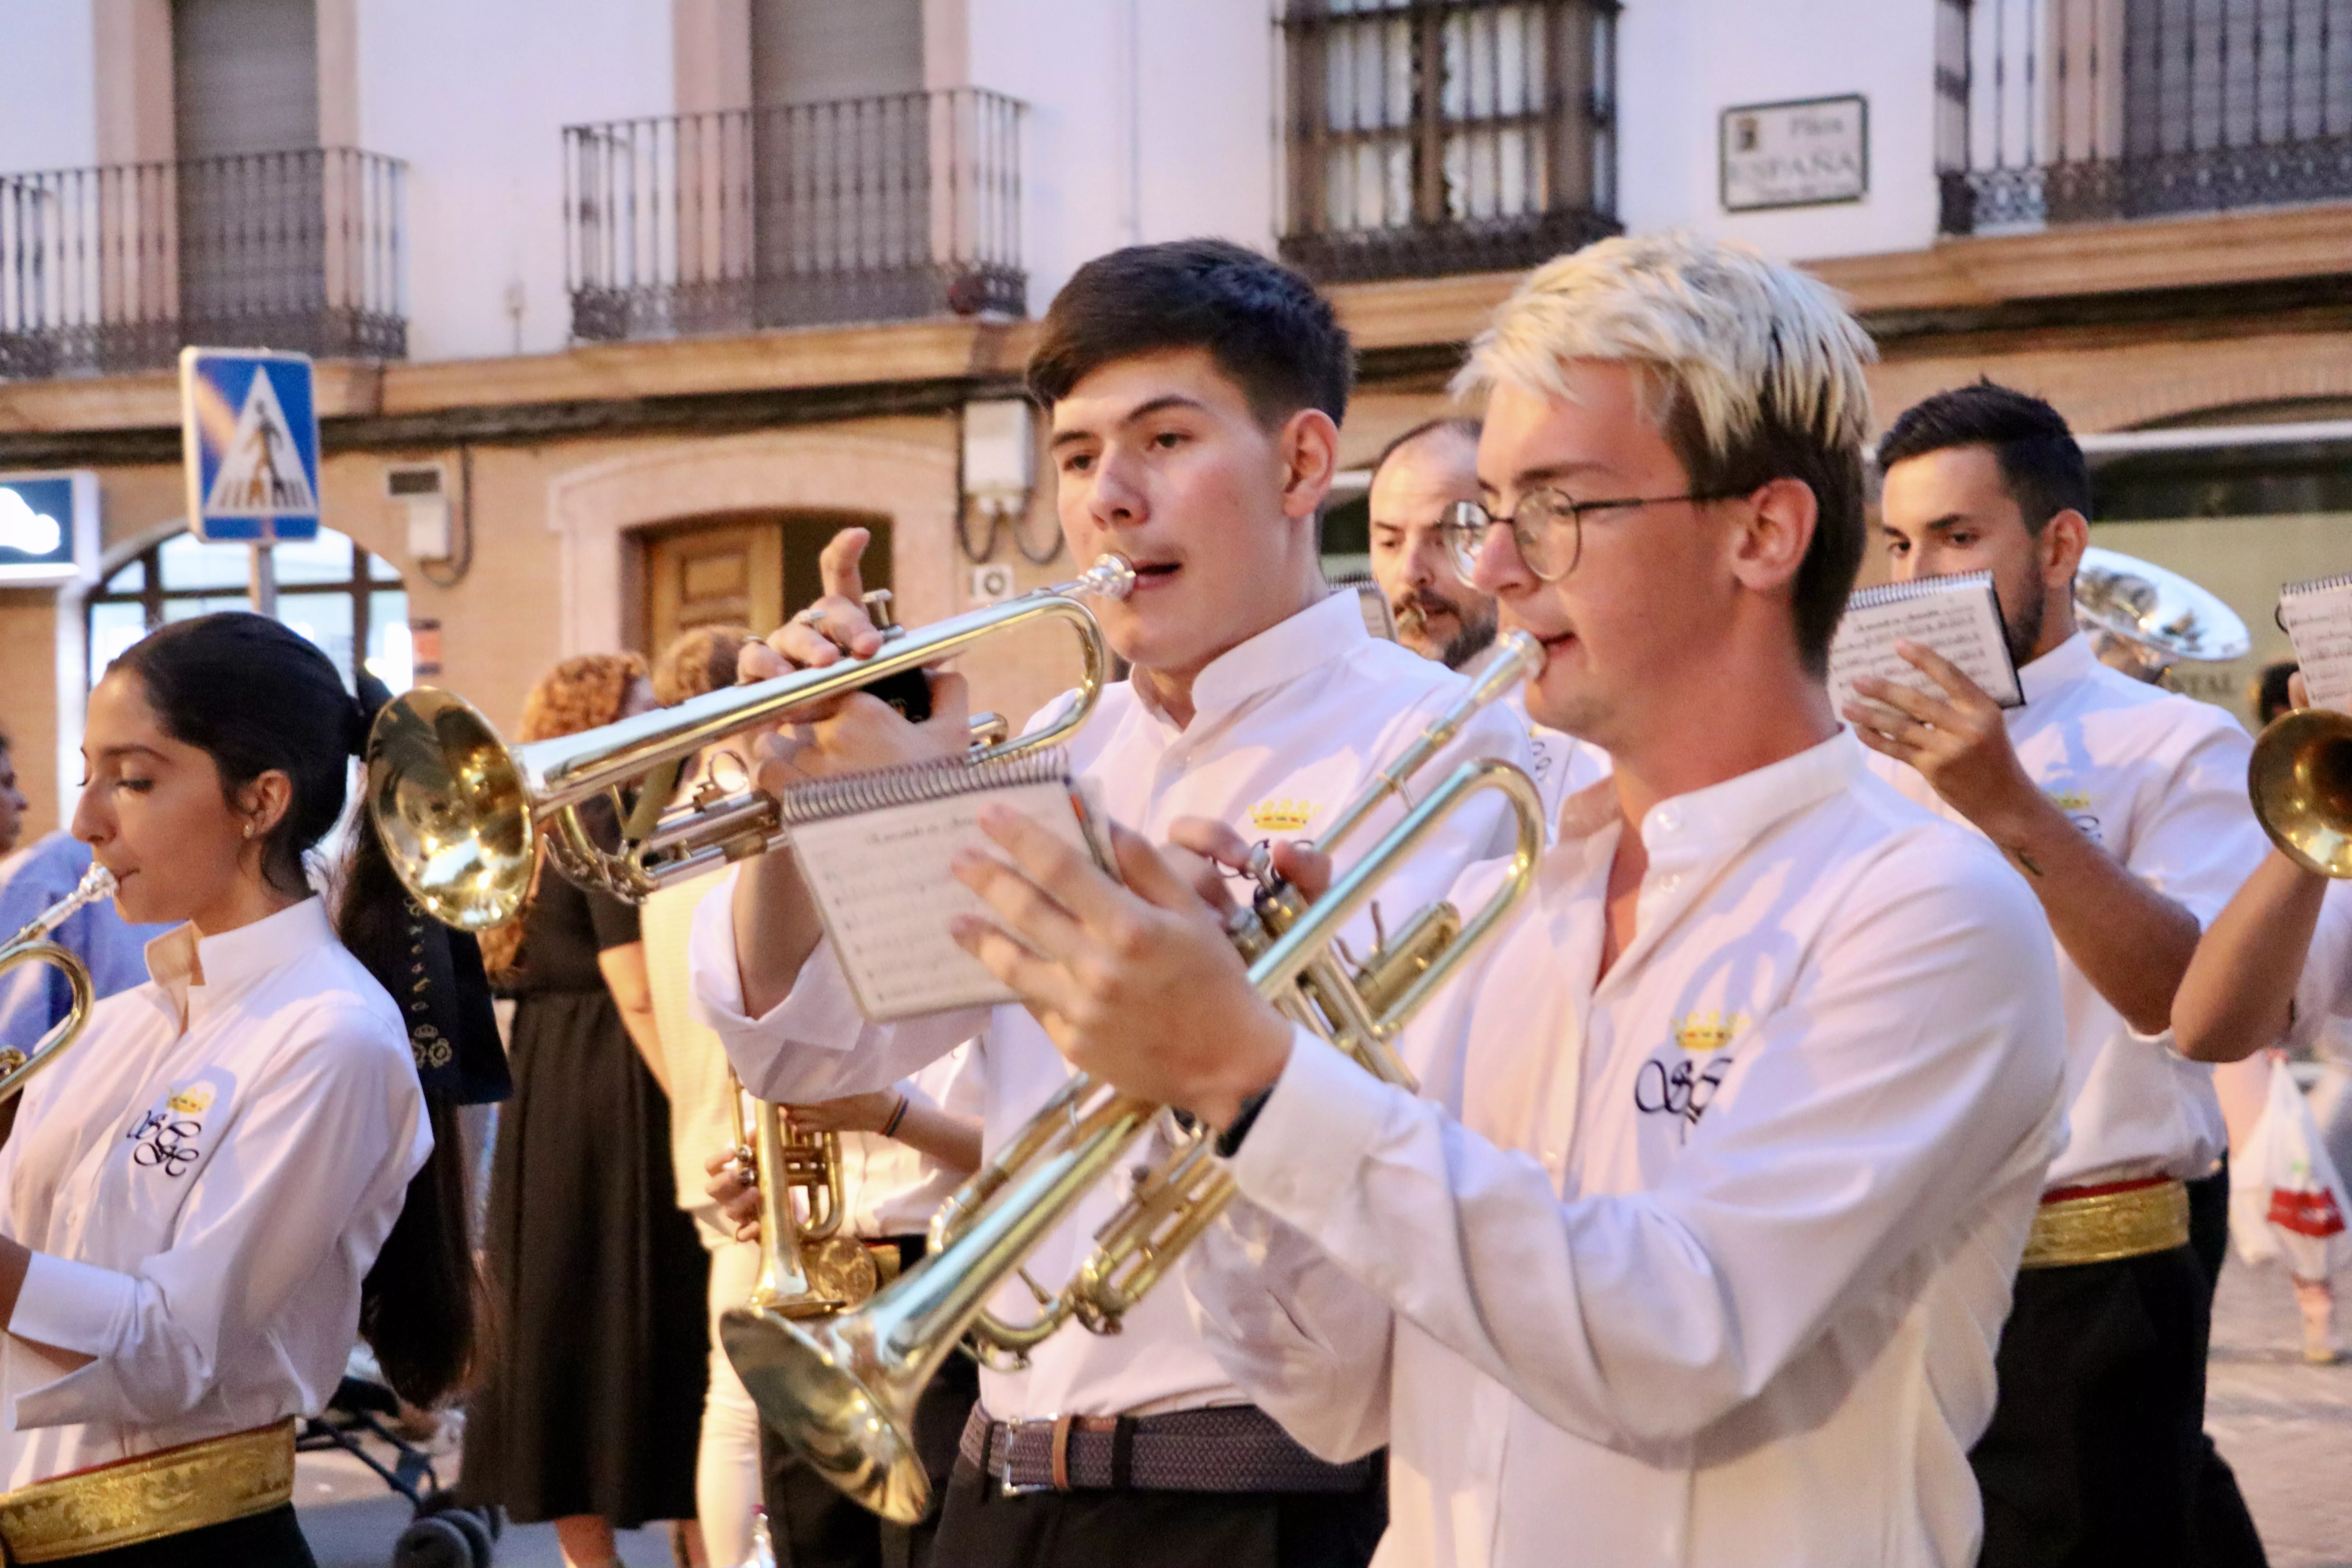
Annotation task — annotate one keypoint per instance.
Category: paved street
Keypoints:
(2285, 1426)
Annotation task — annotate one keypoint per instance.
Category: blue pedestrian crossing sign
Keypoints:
(249, 442)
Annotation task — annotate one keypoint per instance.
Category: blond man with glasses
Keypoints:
(1696, 1245)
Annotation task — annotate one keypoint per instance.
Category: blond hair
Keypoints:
(1751, 370)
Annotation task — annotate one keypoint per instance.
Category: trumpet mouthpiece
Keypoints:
(1112, 576)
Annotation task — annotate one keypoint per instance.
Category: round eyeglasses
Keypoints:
(1547, 528)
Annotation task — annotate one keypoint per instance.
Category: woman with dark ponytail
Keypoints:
(237, 1169)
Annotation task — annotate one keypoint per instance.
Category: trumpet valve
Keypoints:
(1394, 965)
(878, 611)
(11, 1059)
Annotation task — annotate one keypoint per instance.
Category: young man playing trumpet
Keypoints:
(1194, 392)
(1417, 481)
(1696, 1250)
(2124, 808)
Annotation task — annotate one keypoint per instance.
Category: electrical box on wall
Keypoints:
(1000, 454)
(422, 491)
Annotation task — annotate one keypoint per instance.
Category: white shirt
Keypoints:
(203, 1198)
(887, 1188)
(2159, 781)
(1711, 1267)
(1286, 727)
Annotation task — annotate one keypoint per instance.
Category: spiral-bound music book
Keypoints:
(874, 849)
(1956, 616)
(2317, 616)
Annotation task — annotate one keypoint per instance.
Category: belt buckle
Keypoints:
(1005, 1485)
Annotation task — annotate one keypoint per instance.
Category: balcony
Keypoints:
(2065, 111)
(111, 269)
(866, 209)
(1427, 137)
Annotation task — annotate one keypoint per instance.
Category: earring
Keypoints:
(248, 830)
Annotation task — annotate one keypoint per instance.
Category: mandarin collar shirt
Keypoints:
(204, 1179)
(1286, 727)
(2159, 781)
(1701, 1263)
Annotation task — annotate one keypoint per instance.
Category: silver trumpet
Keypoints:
(33, 945)
(462, 814)
(843, 1390)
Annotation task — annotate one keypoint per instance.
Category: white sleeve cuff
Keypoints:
(74, 1306)
(1302, 1155)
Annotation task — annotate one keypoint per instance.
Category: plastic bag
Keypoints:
(2285, 1197)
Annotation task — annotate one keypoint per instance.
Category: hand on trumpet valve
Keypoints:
(859, 732)
(1213, 855)
(736, 1189)
(1137, 984)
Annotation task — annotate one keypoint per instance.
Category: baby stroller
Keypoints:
(443, 1535)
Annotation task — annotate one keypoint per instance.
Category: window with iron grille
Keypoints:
(1436, 136)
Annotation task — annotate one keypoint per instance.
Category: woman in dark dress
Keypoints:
(591, 1409)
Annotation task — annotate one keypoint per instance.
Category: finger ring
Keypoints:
(810, 616)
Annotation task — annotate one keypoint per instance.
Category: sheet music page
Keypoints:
(1957, 617)
(881, 881)
(2318, 619)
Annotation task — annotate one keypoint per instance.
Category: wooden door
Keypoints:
(746, 570)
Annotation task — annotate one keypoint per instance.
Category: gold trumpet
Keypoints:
(2300, 781)
(461, 812)
(32, 945)
(807, 1268)
(843, 1392)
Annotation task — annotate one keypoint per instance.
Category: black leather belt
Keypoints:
(1226, 1448)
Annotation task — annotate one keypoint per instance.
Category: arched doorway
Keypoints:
(350, 602)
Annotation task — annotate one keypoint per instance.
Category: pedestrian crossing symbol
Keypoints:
(250, 441)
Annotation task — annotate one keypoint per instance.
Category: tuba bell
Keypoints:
(33, 945)
(843, 1391)
(462, 814)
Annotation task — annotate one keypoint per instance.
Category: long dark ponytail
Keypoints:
(255, 697)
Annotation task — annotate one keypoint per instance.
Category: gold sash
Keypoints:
(2103, 1225)
(168, 1492)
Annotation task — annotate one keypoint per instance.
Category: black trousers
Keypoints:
(983, 1528)
(2096, 1447)
(2226, 1537)
(271, 1539)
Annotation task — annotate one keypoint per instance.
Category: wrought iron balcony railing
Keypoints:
(2060, 112)
(1437, 136)
(863, 209)
(115, 268)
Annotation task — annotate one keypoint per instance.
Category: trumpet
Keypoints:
(843, 1392)
(462, 814)
(2299, 782)
(807, 1268)
(32, 945)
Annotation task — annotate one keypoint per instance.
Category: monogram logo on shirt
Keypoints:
(1281, 816)
(166, 1142)
(2076, 804)
(1683, 1090)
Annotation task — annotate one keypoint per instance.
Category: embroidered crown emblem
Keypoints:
(1701, 1033)
(2070, 800)
(1281, 816)
(192, 1101)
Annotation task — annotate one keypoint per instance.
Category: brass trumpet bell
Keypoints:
(452, 809)
(2300, 781)
(851, 1424)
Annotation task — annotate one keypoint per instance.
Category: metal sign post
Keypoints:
(250, 445)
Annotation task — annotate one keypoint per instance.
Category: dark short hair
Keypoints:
(2041, 466)
(2271, 696)
(1454, 423)
(696, 661)
(1268, 329)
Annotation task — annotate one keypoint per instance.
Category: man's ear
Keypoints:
(2064, 539)
(1776, 530)
(1309, 443)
